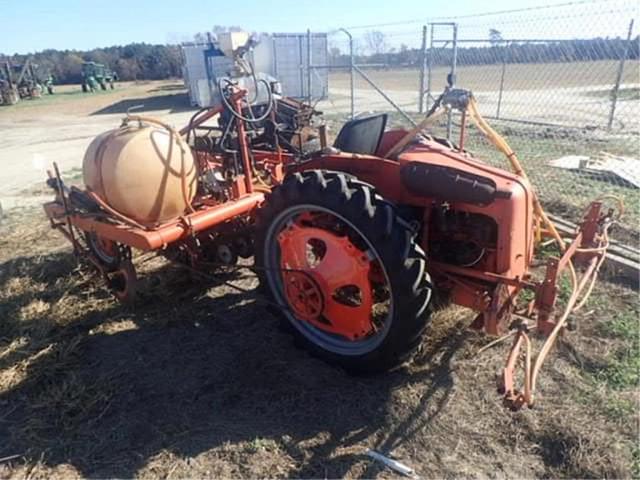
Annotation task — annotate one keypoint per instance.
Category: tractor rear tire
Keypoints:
(371, 224)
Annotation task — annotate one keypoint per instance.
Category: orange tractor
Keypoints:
(350, 241)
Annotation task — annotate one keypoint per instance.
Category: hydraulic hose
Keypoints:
(575, 302)
(500, 143)
(432, 115)
(239, 116)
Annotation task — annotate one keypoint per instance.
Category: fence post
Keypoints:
(309, 96)
(351, 63)
(301, 65)
(429, 65)
(423, 59)
(616, 87)
(507, 48)
(454, 61)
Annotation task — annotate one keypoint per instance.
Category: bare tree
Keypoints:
(334, 54)
(495, 37)
(376, 41)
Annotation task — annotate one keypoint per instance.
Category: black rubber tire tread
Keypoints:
(390, 235)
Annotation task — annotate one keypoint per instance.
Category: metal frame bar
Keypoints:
(616, 87)
(423, 60)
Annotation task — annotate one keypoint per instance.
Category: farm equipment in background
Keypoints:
(96, 75)
(350, 241)
(23, 81)
(8, 89)
(47, 82)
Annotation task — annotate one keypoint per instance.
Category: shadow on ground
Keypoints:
(174, 102)
(182, 373)
(169, 88)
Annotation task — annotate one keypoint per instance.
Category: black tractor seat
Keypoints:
(362, 135)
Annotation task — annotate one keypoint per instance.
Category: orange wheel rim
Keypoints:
(327, 280)
(106, 245)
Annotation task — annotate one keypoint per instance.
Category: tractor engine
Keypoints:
(461, 238)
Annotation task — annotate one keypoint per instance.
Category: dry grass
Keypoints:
(521, 76)
(198, 381)
(72, 100)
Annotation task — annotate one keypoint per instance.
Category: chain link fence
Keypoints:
(561, 83)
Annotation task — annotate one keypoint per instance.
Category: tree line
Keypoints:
(375, 50)
(136, 61)
(142, 61)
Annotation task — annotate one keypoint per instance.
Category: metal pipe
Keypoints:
(351, 67)
(452, 82)
(510, 40)
(463, 124)
(616, 87)
(502, 74)
(166, 234)
(429, 65)
(7, 67)
(276, 73)
(385, 96)
(244, 149)
(22, 72)
(65, 205)
(363, 65)
(423, 59)
(301, 66)
(309, 96)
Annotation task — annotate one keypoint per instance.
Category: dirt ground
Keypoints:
(58, 128)
(197, 379)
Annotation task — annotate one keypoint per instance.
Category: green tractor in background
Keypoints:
(96, 75)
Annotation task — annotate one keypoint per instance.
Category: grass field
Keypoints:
(70, 99)
(518, 76)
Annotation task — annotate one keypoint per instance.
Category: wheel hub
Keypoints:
(304, 295)
(326, 280)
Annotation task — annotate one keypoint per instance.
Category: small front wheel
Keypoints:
(107, 252)
(123, 282)
(345, 270)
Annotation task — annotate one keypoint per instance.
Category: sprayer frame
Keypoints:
(243, 202)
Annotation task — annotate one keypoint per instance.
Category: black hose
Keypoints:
(192, 121)
(240, 116)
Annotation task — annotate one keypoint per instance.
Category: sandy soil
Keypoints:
(59, 128)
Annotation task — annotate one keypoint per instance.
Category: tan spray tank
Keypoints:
(143, 170)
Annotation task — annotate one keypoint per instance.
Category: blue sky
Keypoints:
(32, 25)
